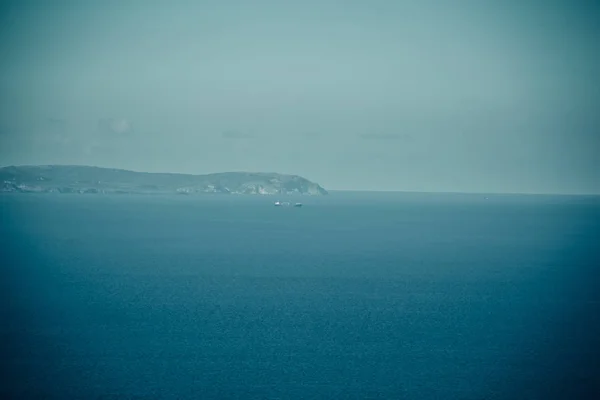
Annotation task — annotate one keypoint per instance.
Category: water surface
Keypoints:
(415, 296)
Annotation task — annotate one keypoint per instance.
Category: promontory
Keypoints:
(85, 179)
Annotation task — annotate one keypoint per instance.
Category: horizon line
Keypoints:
(407, 191)
(461, 192)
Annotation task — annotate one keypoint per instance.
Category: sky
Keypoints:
(461, 96)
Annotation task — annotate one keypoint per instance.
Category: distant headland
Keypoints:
(85, 179)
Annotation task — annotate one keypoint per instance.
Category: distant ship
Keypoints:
(286, 204)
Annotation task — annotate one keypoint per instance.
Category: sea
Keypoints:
(352, 296)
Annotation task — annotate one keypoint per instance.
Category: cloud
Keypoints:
(386, 136)
(236, 135)
(115, 126)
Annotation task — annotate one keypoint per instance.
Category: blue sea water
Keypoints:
(353, 296)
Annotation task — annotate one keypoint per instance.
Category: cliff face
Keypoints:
(82, 179)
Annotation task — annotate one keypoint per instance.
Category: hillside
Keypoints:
(84, 179)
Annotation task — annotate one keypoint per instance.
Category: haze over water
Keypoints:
(354, 295)
(475, 96)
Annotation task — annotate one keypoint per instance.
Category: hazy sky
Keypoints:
(384, 95)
